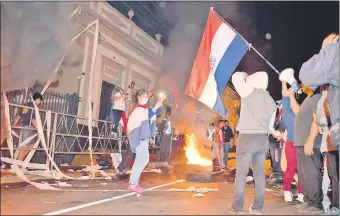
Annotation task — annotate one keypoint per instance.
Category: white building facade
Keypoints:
(125, 53)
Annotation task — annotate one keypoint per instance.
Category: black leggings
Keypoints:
(117, 115)
(127, 158)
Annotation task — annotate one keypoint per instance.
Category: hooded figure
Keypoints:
(256, 121)
(166, 134)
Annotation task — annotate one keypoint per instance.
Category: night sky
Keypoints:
(297, 30)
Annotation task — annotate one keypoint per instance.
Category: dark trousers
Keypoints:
(117, 115)
(251, 149)
(174, 148)
(310, 176)
(333, 172)
(275, 165)
(165, 148)
(127, 158)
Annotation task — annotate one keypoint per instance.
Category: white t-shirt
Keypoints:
(120, 103)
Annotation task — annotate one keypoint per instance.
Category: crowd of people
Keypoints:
(303, 138)
(222, 138)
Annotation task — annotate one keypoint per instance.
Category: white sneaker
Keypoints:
(300, 197)
(288, 196)
(254, 211)
(250, 179)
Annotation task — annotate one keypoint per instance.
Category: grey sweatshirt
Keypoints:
(257, 107)
(321, 69)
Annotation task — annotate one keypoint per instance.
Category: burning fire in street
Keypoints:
(192, 153)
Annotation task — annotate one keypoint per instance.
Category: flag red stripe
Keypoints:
(201, 68)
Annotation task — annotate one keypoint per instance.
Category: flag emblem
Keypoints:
(219, 53)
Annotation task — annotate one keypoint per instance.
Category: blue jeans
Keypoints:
(226, 147)
(141, 160)
(251, 149)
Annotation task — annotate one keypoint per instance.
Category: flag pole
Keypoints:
(250, 45)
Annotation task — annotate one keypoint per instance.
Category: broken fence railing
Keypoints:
(68, 136)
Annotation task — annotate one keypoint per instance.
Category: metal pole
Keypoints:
(53, 138)
(250, 45)
(89, 98)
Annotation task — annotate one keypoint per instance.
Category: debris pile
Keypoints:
(199, 192)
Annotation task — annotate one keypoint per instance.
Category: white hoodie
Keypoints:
(257, 106)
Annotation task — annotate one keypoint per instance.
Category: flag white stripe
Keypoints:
(209, 93)
(220, 43)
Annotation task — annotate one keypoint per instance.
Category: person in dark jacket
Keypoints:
(177, 141)
(228, 137)
(26, 118)
(165, 129)
(275, 147)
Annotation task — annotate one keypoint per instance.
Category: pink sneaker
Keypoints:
(135, 188)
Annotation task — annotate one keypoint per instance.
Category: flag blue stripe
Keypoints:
(219, 107)
(228, 63)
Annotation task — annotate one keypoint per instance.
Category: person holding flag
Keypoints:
(220, 51)
(258, 110)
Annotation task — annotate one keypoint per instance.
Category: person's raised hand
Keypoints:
(332, 38)
(150, 94)
(284, 88)
(290, 93)
(162, 97)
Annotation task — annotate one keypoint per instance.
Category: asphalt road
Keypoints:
(88, 197)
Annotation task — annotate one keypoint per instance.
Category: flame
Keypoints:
(192, 154)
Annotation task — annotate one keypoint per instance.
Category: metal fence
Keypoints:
(68, 134)
(54, 101)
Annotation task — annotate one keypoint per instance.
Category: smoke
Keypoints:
(187, 22)
(34, 37)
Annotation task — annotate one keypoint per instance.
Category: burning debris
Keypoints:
(203, 190)
(192, 153)
(198, 168)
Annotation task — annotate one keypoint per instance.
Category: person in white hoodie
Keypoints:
(257, 114)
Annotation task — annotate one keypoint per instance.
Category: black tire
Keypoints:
(201, 177)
